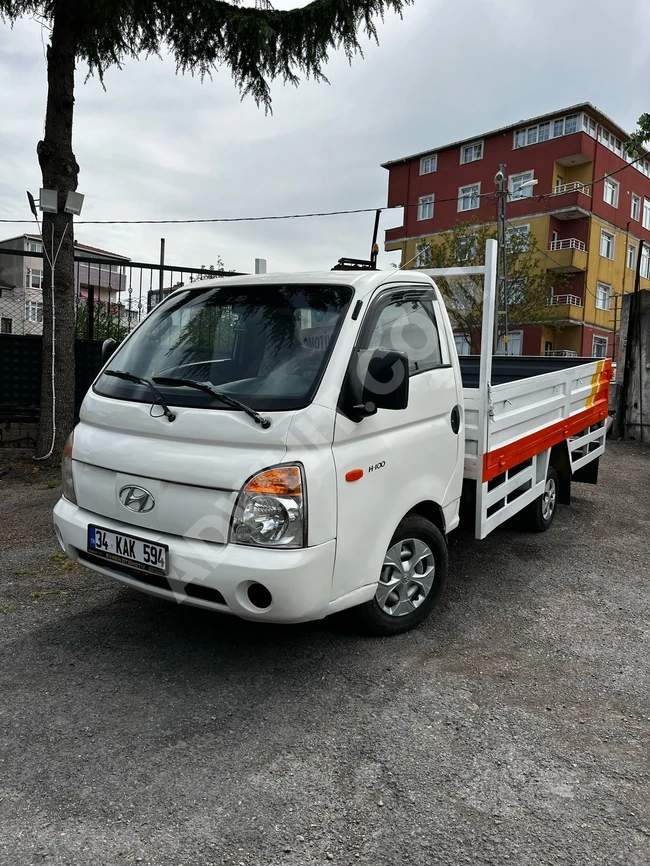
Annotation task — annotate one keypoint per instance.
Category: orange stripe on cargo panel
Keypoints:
(595, 383)
(501, 459)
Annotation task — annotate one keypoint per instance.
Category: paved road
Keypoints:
(513, 727)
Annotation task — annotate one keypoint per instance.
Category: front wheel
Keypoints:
(411, 581)
(539, 515)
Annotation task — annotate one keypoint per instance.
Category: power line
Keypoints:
(296, 216)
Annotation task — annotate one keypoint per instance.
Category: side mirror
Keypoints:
(376, 379)
(108, 347)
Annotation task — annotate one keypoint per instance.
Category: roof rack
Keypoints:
(355, 265)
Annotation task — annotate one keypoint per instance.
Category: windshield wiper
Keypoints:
(159, 400)
(210, 389)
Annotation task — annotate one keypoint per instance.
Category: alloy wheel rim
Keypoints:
(407, 577)
(548, 499)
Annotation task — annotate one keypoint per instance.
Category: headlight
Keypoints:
(67, 481)
(270, 510)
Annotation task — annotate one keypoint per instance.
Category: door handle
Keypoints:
(455, 419)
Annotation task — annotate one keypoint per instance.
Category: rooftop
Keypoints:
(587, 107)
(78, 246)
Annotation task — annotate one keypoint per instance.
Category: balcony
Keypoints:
(571, 201)
(568, 307)
(561, 353)
(570, 255)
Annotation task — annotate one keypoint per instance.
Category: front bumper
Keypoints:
(300, 581)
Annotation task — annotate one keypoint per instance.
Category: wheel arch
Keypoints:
(432, 512)
(559, 460)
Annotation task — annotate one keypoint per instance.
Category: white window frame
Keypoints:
(474, 145)
(614, 187)
(513, 336)
(429, 164)
(604, 300)
(644, 267)
(34, 247)
(462, 195)
(6, 328)
(428, 202)
(29, 278)
(523, 230)
(646, 214)
(421, 255)
(607, 238)
(571, 117)
(462, 343)
(635, 207)
(34, 312)
(631, 256)
(525, 193)
(600, 340)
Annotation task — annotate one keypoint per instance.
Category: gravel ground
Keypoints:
(513, 727)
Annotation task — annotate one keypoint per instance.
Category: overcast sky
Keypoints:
(160, 146)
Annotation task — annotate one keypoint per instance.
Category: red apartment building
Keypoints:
(586, 225)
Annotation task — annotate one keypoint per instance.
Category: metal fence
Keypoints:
(111, 295)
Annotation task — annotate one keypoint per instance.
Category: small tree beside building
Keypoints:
(529, 284)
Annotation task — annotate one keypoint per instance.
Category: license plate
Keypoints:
(128, 550)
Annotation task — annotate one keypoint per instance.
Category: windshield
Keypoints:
(266, 346)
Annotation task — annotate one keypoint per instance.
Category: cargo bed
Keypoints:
(519, 412)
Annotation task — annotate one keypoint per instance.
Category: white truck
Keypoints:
(285, 447)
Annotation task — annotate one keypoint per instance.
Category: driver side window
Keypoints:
(410, 327)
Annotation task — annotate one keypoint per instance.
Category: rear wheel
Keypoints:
(539, 515)
(411, 581)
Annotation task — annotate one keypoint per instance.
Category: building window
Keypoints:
(5, 326)
(645, 263)
(520, 138)
(514, 185)
(514, 344)
(548, 347)
(33, 247)
(571, 124)
(558, 128)
(425, 207)
(469, 197)
(422, 255)
(603, 296)
(518, 236)
(636, 207)
(646, 213)
(463, 345)
(631, 256)
(599, 347)
(589, 125)
(471, 152)
(466, 248)
(34, 311)
(607, 244)
(429, 164)
(610, 192)
(34, 278)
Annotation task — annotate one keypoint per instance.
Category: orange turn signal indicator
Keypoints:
(282, 481)
(354, 475)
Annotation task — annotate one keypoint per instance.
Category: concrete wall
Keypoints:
(635, 351)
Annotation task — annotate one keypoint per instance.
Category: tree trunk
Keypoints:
(60, 170)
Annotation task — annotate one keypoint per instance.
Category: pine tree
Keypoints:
(257, 43)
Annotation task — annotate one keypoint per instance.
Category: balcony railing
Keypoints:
(561, 353)
(571, 300)
(561, 188)
(568, 244)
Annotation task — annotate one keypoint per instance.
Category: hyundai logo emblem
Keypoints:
(137, 499)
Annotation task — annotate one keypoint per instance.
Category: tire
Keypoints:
(413, 593)
(538, 516)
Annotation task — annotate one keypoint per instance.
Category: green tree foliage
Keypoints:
(640, 137)
(109, 320)
(256, 42)
(529, 283)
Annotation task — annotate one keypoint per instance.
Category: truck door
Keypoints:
(408, 456)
